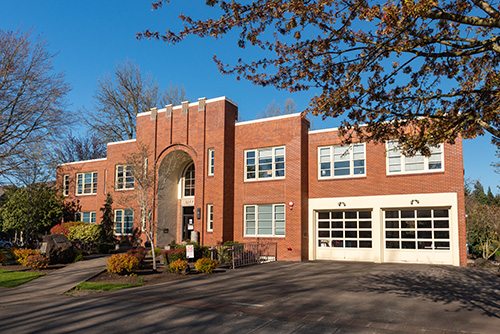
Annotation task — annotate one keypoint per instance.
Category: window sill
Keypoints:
(265, 179)
(86, 194)
(437, 171)
(265, 236)
(330, 178)
(124, 189)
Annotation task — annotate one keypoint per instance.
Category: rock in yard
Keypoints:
(57, 248)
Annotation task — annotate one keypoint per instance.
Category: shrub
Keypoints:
(158, 252)
(37, 262)
(178, 266)
(105, 247)
(63, 228)
(85, 232)
(22, 254)
(139, 253)
(3, 258)
(122, 264)
(205, 265)
(172, 255)
(78, 256)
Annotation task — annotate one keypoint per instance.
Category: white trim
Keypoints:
(331, 129)
(256, 220)
(192, 104)
(121, 142)
(210, 220)
(83, 161)
(323, 130)
(124, 177)
(211, 161)
(273, 164)
(94, 191)
(268, 119)
(402, 164)
(332, 162)
(122, 222)
(65, 185)
(380, 203)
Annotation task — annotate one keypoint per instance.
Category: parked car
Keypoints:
(4, 244)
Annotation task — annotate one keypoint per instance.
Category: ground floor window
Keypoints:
(124, 222)
(265, 220)
(345, 229)
(86, 217)
(210, 217)
(424, 229)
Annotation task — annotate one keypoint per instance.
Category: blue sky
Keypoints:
(92, 36)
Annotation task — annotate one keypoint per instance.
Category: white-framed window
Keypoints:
(341, 161)
(345, 229)
(423, 229)
(86, 183)
(265, 163)
(124, 222)
(397, 163)
(265, 220)
(65, 184)
(211, 161)
(86, 217)
(210, 217)
(124, 178)
(188, 181)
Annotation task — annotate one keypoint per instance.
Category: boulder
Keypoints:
(57, 248)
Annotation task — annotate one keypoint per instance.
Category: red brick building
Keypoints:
(273, 179)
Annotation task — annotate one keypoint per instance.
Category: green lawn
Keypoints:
(104, 286)
(10, 279)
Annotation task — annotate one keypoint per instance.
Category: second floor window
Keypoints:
(66, 185)
(86, 183)
(124, 178)
(211, 161)
(341, 161)
(265, 163)
(398, 163)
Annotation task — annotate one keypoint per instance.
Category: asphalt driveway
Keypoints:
(283, 297)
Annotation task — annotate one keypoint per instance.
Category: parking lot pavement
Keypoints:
(286, 297)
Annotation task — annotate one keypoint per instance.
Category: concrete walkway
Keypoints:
(55, 283)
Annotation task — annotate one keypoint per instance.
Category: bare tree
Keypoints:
(121, 96)
(275, 109)
(80, 148)
(144, 170)
(32, 98)
(175, 95)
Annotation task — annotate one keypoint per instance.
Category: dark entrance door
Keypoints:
(187, 221)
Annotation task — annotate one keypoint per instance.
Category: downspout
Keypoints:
(204, 110)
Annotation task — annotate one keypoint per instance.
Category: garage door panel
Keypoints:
(417, 235)
(345, 235)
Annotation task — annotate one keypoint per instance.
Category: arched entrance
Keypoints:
(176, 189)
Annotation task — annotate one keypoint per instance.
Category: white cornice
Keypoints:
(83, 161)
(121, 142)
(268, 119)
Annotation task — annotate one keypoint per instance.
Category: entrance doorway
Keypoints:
(187, 221)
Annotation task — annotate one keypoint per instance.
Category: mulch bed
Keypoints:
(144, 276)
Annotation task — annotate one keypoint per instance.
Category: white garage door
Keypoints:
(420, 235)
(344, 235)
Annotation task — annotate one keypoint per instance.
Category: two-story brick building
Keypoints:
(274, 179)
